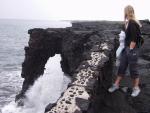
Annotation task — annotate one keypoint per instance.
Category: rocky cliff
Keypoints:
(88, 54)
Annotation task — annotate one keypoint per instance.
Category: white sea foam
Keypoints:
(46, 89)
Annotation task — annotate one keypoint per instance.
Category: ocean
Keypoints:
(13, 38)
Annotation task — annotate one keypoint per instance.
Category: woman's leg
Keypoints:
(118, 79)
(133, 66)
(122, 67)
(136, 82)
(115, 86)
(121, 71)
(136, 88)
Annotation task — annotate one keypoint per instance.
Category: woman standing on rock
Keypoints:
(129, 56)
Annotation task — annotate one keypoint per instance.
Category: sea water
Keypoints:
(47, 89)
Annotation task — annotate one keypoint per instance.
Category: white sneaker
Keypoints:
(113, 88)
(135, 92)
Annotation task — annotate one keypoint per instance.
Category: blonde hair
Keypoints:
(129, 14)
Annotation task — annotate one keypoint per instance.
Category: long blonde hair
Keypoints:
(129, 14)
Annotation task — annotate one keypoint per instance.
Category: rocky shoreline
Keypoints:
(88, 54)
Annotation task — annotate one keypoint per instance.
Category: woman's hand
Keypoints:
(132, 45)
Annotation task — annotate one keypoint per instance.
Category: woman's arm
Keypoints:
(133, 35)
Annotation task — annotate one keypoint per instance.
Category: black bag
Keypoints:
(140, 41)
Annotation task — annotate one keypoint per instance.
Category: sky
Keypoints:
(72, 9)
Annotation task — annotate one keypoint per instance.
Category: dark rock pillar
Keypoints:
(42, 45)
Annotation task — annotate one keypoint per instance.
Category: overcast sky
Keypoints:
(72, 9)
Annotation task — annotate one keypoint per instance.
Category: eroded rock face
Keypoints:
(88, 54)
(78, 97)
